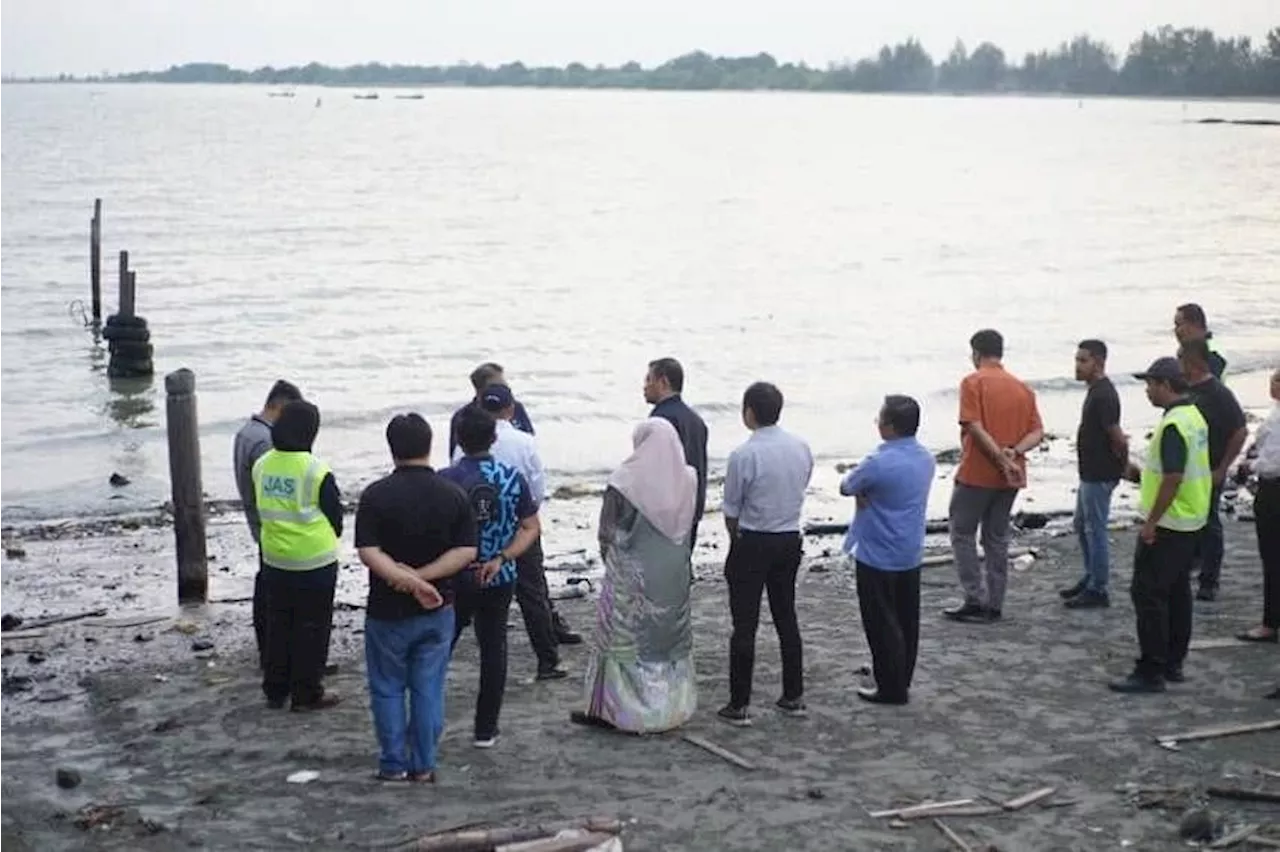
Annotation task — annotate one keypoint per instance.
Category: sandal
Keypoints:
(1258, 634)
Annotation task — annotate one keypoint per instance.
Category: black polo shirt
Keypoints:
(414, 515)
(1222, 412)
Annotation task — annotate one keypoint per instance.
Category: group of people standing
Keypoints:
(454, 547)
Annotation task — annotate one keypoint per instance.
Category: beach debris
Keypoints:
(1023, 562)
(143, 637)
(67, 779)
(26, 634)
(118, 480)
(202, 645)
(10, 622)
(173, 723)
(1240, 794)
(35, 658)
(1197, 824)
(305, 776)
(925, 809)
(1017, 804)
(15, 551)
(815, 794)
(13, 684)
(1218, 731)
(1031, 520)
(956, 840)
(162, 678)
(468, 839)
(577, 581)
(718, 751)
(187, 628)
(127, 621)
(63, 619)
(52, 697)
(95, 816)
(1230, 839)
(1216, 642)
(951, 455)
(1146, 798)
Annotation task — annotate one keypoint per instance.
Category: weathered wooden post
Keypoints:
(95, 261)
(127, 301)
(127, 334)
(188, 491)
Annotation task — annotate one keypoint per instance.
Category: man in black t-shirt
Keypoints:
(1227, 433)
(414, 529)
(1190, 323)
(1102, 452)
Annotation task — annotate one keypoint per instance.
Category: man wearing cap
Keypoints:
(1176, 482)
(519, 450)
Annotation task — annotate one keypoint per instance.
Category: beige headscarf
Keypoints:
(657, 481)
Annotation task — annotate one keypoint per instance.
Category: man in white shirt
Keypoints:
(520, 450)
(1263, 460)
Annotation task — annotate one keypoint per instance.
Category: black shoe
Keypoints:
(1207, 593)
(875, 696)
(793, 707)
(965, 612)
(1136, 684)
(553, 673)
(324, 702)
(1174, 674)
(991, 616)
(276, 703)
(1089, 600)
(736, 716)
(1068, 594)
(564, 635)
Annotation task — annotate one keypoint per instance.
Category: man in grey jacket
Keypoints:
(252, 441)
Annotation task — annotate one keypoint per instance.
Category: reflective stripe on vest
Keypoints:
(296, 535)
(1189, 510)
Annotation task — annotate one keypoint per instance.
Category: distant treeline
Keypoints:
(1167, 62)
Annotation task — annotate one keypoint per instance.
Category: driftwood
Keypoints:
(1238, 836)
(958, 811)
(921, 810)
(24, 634)
(1216, 642)
(1029, 799)
(486, 840)
(956, 840)
(1241, 795)
(571, 841)
(718, 751)
(62, 619)
(1219, 731)
(1264, 841)
(230, 600)
(128, 621)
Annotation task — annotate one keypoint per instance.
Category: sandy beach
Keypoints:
(181, 742)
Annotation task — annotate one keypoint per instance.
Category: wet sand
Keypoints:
(182, 742)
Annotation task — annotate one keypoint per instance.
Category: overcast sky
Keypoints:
(91, 36)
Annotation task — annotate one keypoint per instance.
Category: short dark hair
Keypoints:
(1096, 348)
(476, 430)
(988, 343)
(902, 414)
(409, 436)
(483, 376)
(669, 369)
(283, 393)
(1195, 350)
(1194, 314)
(765, 402)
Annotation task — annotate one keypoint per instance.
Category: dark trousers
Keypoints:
(1161, 592)
(1212, 544)
(260, 613)
(535, 605)
(299, 616)
(1266, 519)
(760, 562)
(486, 609)
(890, 604)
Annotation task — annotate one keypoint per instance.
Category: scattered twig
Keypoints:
(24, 634)
(923, 809)
(1219, 731)
(1242, 795)
(719, 751)
(482, 840)
(575, 841)
(960, 811)
(230, 600)
(1239, 835)
(1215, 642)
(129, 621)
(63, 619)
(1031, 798)
(956, 840)
(1265, 841)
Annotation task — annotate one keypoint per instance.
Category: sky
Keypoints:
(92, 36)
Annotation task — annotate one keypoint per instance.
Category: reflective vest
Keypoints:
(1189, 510)
(296, 535)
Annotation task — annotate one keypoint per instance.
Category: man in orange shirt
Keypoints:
(999, 425)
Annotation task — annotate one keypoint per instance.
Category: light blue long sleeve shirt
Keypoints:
(888, 532)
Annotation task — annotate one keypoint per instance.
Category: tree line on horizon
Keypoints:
(1167, 62)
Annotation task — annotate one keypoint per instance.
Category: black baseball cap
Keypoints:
(496, 398)
(1162, 370)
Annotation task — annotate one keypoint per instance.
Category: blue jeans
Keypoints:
(408, 654)
(1093, 509)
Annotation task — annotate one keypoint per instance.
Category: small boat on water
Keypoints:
(372, 96)
(416, 96)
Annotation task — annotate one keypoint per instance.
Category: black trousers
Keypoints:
(1161, 592)
(1266, 519)
(535, 605)
(1212, 544)
(260, 613)
(299, 616)
(486, 609)
(890, 604)
(763, 562)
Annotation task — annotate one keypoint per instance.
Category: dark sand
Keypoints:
(186, 746)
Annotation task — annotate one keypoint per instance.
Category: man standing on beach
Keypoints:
(1228, 432)
(251, 443)
(999, 425)
(886, 542)
(1102, 454)
(1176, 484)
(1190, 323)
(518, 449)
(487, 374)
(414, 531)
(764, 489)
(663, 386)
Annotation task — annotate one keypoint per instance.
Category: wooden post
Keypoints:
(126, 287)
(188, 491)
(95, 260)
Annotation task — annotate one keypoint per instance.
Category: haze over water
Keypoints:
(843, 247)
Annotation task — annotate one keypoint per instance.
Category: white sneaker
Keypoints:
(488, 743)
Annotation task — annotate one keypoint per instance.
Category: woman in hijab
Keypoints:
(640, 675)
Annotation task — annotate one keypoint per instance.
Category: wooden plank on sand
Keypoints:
(718, 751)
(1216, 642)
(923, 809)
(1031, 798)
(956, 840)
(1219, 731)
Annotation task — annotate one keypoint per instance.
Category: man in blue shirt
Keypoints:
(886, 541)
(507, 520)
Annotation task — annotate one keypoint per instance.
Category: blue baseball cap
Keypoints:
(496, 398)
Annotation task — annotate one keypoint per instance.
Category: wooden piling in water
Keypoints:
(183, 429)
(95, 261)
(127, 333)
(128, 303)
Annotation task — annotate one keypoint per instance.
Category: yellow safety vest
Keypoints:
(1189, 511)
(296, 535)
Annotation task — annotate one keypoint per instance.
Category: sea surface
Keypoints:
(841, 246)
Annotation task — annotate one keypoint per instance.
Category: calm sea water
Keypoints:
(843, 247)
